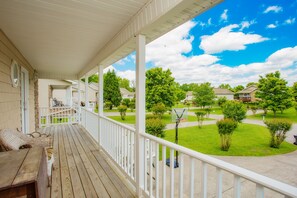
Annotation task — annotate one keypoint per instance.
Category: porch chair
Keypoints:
(11, 139)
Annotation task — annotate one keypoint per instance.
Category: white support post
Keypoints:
(86, 91)
(100, 101)
(140, 112)
(79, 101)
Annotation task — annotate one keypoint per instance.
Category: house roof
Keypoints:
(220, 91)
(126, 92)
(248, 90)
(68, 39)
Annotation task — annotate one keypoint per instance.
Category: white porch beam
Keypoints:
(79, 101)
(140, 112)
(153, 20)
(86, 91)
(100, 100)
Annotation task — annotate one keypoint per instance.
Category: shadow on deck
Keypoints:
(80, 169)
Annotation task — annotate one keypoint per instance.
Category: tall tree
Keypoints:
(204, 95)
(294, 91)
(251, 83)
(160, 87)
(111, 89)
(189, 87)
(225, 86)
(93, 78)
(273, 91)
(238, 88)
(180, 93)
(124, 83)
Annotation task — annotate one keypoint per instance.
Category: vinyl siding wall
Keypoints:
(10, 97)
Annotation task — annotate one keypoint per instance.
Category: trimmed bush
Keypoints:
(159, 109)
(234, 110)
(126, 102)
(151, 116)
(207, 111)
(200, 117)
(122, 109)
(278, 129)
(225, 129)
(222, 101)
(155, 126)
(108, 105)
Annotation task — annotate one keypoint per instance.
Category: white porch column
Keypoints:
(69, 96)
(140, 112)
(100, 101)
(79, 101)
(86, 92)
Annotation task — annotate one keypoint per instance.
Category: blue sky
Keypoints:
(234, 43)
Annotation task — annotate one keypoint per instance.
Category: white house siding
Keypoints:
(229, 97)
(10, 97)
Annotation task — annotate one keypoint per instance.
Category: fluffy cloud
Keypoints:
(224, 15)
(225, 39)
(271, 26)
(168, 50)
(246, 24)
(274, 9)
(290, 21)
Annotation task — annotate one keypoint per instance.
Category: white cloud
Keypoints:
(209, 21)
(274, 9)
(225, 39)
(290, 21)
(271, 26)
(224, 15)
(246, 24)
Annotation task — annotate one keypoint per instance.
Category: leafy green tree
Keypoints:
(226, 128)
(160, 88)
(234, 110)
(122, 109)
(180, 94)
(294, 91)
(159, 109)
(225, 86)
(132, 104)
(222, 101)
(200, 117)
(274, 93)
(93, 78)
(204, 95)
(189, 87)
(111, 89)
(124, 83)
(251, 84)
(126, 102)
(278, 129)
(238, 88)
(155, 126)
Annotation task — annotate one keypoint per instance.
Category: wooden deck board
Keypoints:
(80, 169)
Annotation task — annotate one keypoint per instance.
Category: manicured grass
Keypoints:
(247, 140)
(130, 119)
(289, 114)
(214, 110)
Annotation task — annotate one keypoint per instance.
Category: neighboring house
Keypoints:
(219, 92)
(189, 96)
(248, 94)
(126, 94)
(50, 89)
(92, 92)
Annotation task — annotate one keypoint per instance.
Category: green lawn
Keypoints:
(130, 119)
(215, 110)
(247, 140)
(289, 114)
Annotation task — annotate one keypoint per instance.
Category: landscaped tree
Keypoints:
(124, 83)
(226, 128)
(200, 117)
(93, 78)
(159, 109)
(204, 95)
(225, 86)
(237, 89)
(278, 129)
(126, 102)
(222, 101)
(189, 87)
(155, 126)
(234, 110)
(122, 109)
(160, 88)
(294, 91)
(111, 89)
(274, 93)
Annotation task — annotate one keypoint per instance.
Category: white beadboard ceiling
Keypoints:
(65, 37)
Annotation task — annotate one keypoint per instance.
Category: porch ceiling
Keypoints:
(66, 39)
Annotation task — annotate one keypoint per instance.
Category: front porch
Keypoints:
(80, 169)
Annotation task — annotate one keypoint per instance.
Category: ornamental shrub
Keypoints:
(222, 101)
(132, 104)
(207, 111)
(159, 109)
(234, 110)
(225, 128)
(155, 126)
(200, 117)
(278, 129)
(126, 102)
(122, 109)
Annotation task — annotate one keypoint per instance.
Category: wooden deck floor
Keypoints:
(80, 170)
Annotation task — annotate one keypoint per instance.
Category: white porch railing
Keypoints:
(58, 115)
(198, 175)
